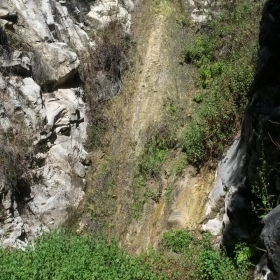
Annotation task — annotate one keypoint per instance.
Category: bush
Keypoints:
(101, 71)
(15, 156)
(152, 159)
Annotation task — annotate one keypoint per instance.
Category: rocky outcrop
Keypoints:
(56, 173)
(43, 114)
(101, 15)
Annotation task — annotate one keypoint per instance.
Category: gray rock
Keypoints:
(102, 13)
(4, 13)
(262, 271)
(213, 226)
(271, 238)
(54, 64)
(3, 83)
(228, 175)
(275, 114)
(17, 64)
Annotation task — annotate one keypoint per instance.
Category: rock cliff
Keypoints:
(43, 120)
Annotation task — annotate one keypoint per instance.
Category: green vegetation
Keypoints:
(180, 164)
(265, 197)
(151, 160)
(140, 195)
(60, 256)
(182, 256)
(176, 241)
(168, 193)
(224, 55)
(267, 171)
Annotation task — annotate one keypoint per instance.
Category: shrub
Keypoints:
(151, 160)
(101, 71)
(15, 156)
(263, 184)
(140, 195)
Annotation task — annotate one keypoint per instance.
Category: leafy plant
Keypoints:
(215, 265)
(149, 163)
(151, 160)
(179, 165)
(168, 193)
(198, 98)
(139, 195)
(261, 188)
(183, 255)
(60, 255)
(177, 241)
(244, 253)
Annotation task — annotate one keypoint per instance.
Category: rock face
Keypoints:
(100, 16)
(271, 238)
(17, 63)
(56, 182)
(249, 177)
(43, 114)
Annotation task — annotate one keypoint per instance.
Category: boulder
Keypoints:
(54, 64)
